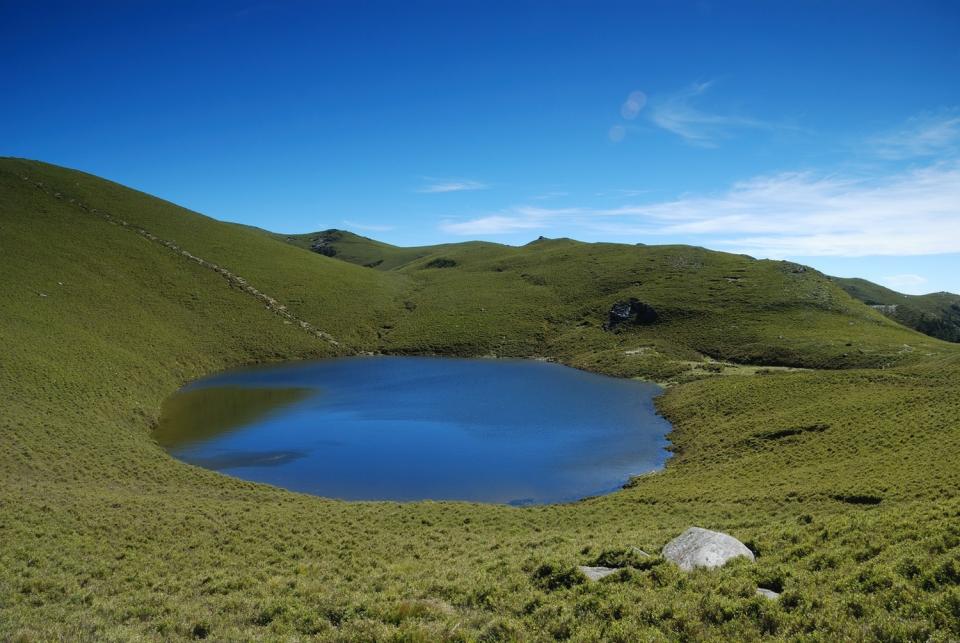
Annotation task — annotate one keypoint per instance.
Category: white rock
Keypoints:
(768, 593)
(596, 573)
(698, 547)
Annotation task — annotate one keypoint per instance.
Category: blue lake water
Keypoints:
(412, 428)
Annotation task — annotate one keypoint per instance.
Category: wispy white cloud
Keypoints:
(551, 195)
(499, 224)
(437, 186)
(904, 283)
(368, 227)
(679, 114)
(910, 212)
(622, 192)
(924, 135)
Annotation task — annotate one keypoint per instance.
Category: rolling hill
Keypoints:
(936, 314)
(112, 299)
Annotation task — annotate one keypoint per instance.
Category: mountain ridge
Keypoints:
(933, 314)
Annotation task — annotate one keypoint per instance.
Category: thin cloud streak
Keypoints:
(904, 283)
(439, 186)
(368, 227)
(494, 224)
(620, 192)
(912, 212)
(924, 135)
(679, 115)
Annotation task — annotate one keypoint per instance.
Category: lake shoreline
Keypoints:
(568, 379)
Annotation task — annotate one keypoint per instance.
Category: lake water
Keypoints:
(412, 428)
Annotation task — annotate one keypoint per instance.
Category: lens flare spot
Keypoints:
(632, 106)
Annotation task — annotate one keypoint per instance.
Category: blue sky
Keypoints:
(822, 132)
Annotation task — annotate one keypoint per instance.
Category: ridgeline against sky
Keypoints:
(827, 134)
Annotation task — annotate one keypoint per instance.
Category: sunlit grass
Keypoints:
(843, 479)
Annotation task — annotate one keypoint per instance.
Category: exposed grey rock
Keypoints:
(698, 547)
(323, 242)
(323, 248)
(768, 594)
(630, 312)
(596, 573)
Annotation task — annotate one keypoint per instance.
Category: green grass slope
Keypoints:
(356, 249)
(843, 480)
(936, 314)
(552, 296)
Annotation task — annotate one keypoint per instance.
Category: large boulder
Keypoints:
(630, 312)
(698, 547)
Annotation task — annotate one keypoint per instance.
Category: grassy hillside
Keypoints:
(936, 314)
(552, 296)
(353, 248)
(105, 537)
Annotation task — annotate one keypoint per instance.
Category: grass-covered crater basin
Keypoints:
(414, 428)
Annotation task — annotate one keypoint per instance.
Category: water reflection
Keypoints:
(408, 428)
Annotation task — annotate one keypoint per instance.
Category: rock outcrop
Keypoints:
(630, 312)
(323, 242)
(596, 573)
(698, 547)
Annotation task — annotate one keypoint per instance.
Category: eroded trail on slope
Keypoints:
(234, 280)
